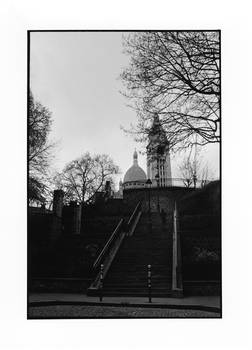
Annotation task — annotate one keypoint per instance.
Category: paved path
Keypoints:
(199, 301)
(70, 311)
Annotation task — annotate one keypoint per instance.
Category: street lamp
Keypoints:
(157, 178)
(149, 183)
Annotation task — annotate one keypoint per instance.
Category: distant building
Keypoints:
(158, 162)
(135, 176)
(119, 194)
(158, 156)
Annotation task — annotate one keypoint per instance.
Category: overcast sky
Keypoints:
(76, 75)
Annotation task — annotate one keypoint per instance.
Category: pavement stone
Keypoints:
(69, 311)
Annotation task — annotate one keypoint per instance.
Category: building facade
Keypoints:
(135, 176)
(158, 156)
(158, 162)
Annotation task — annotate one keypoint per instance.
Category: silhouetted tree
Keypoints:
(83, 177)
(177, 75)
(192, 171)
(206, 175)
(40, 150)
(186, 171)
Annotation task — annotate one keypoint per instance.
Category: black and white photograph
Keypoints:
(124, 174)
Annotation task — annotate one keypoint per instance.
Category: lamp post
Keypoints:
(149, 183)
(101, 282)
(149, 282)
(157, 178)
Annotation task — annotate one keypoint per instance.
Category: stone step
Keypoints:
(145, 260)
(140, 268)
(128, 273)
(132, 275)
(137, 290)
(166, 294)
(142, 279)
(136, 284)
(130, 278)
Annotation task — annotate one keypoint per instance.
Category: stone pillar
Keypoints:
(72, 218)
(108, 190)
(56, 227)
(76, 218)
(58, 196)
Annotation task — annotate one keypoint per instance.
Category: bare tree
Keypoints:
(206, 175)
(37, 191)
(186, 171)
(177, 75)
(83, 177)
(40, 150)
(192, 170)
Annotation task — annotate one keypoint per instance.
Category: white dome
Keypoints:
(135, 172)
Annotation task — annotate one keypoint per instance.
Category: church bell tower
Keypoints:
(158, 156)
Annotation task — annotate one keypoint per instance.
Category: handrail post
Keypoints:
(175, 249)
(177, 283)
(101, 282)
(149, 282)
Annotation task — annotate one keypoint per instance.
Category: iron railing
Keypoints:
(108, 245)
(133, 216)
(108, 253)
(167, 182)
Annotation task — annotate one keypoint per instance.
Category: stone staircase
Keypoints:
(150, 244)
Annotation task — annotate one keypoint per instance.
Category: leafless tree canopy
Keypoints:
(39, 126)
(83, 177)
(177, 75)
(192, 170)
(40, 150)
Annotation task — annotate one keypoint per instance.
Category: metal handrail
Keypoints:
(114, 234)
(134, 213)
(107, 245)
(170, 182)
(111, 248)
